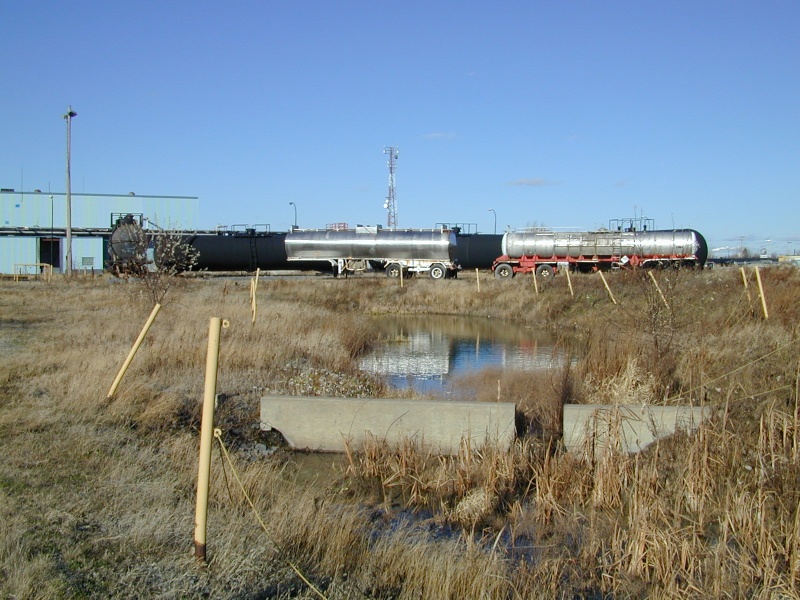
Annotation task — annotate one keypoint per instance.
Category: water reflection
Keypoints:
(427, 353)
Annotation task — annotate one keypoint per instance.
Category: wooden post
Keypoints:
(206, 437)
(478, 279)
(132, 353)
(252, 299)
(761, 294)
(401, 275)
(253, 288)
(569, 281)
(608, 289)
(746, 286)
(660, 293)
(535, 283)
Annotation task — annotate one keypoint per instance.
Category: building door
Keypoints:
(50, 252)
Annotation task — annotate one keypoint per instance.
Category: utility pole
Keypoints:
(68, 117)
(391, 202)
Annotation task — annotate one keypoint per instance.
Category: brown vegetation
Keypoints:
(97, 496)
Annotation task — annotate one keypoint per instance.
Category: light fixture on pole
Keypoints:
(491, 210)
(295, 214)
(68, 117)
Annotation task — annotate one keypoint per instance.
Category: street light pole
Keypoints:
(68, 117)
(295, 214)
(52, 235)
(491, 210)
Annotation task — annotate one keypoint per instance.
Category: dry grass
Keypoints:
(97, 495)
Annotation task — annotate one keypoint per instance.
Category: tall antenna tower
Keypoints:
(391, 202)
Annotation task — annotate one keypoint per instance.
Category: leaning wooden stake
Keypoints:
(761, 294)
(746, 286)
(608, 289)
(132, 353)
(660, 293)
(206, 437)
(478, 279)
(535, 283)
(569, 281)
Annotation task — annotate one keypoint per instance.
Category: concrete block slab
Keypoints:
(324, 424)
(626, 428)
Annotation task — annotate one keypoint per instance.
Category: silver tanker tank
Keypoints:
(683, 243)
(371, 243)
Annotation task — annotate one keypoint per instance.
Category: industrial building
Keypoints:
(33, 226)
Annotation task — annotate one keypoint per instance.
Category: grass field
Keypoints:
(97, 496)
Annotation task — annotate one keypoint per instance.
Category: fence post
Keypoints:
(761, 294)
(206, 437)
(132, 353)
(569, 281)
(253, 289)
(746, 286)
(608, 289)
(660, 293)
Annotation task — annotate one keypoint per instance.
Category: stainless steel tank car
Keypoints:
(412, 250)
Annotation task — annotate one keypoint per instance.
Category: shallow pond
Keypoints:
(428, 353)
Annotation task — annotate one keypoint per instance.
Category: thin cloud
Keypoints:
(533, 182)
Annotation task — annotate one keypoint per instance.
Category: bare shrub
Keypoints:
(172, 254)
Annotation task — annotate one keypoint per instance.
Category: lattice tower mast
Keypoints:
(391, 201)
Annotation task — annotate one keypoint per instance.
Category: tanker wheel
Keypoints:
(393, 271)
(503, 272)
(438, 271)
(545, 271)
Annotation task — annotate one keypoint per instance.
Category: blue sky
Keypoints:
(564, 114)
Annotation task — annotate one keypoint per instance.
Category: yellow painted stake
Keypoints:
(569, 281)
(253, 288)
(206, 437)
(660, 293)
(478, 279)
(608, 289)
(132, 353)
(535, 283)
(746, 287)
(761, 294)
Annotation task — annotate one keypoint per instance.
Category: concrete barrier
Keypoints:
(325, 424)
(626, 428)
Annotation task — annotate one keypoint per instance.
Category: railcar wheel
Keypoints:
(503, 272)
(545, 271)
(393, 271)
(438, 271)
